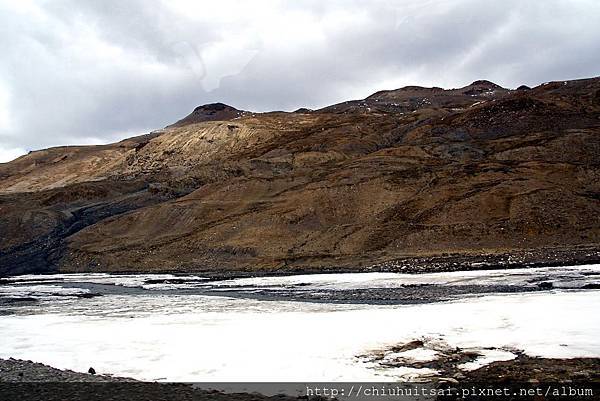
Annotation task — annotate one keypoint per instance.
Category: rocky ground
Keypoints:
(16, 370)
(451, 364)
(27, 380)
(535, 379)
(521, 377)
(34, 381)
(540, 370)
(409, 294)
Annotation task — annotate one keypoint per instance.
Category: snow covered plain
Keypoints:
(160, 333)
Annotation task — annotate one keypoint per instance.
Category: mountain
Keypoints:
(406, 178)
(210, 112)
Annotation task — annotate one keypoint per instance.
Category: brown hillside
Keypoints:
(400, 178)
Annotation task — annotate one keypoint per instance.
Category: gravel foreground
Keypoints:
(522, 369)
(17, 370)
(27, 380)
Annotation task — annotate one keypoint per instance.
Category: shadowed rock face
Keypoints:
(413, 174)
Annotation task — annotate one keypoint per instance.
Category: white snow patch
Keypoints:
(200, 338)
(125, 280)
(572, 275)
(39, 290)
(487, 357)
(416, 355)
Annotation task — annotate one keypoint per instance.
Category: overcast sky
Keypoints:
(95, 71)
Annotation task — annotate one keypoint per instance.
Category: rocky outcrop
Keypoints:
(210, 112)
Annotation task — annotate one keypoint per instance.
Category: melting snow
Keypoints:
(210, 338)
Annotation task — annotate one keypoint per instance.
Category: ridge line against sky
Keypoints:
(88, 72)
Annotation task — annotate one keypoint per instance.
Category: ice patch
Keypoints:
(39, 290)
(488, 356)
(561, 276)
(125, 280)
(202, 338)
(417, 354)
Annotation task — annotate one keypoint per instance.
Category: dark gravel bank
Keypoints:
(30, 381)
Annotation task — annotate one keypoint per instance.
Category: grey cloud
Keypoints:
(94, 71)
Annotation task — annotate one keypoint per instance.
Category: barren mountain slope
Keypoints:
(450, 175)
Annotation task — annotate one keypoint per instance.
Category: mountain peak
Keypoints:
(210, 112)
(486, 83)
(213, 108)
(480, 87)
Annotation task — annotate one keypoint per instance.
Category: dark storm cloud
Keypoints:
(94, 71)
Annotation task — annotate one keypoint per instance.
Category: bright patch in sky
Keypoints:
(74, 70)
(7, 155)
(4, 110)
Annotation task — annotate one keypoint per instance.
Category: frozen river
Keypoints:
(307, 327)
